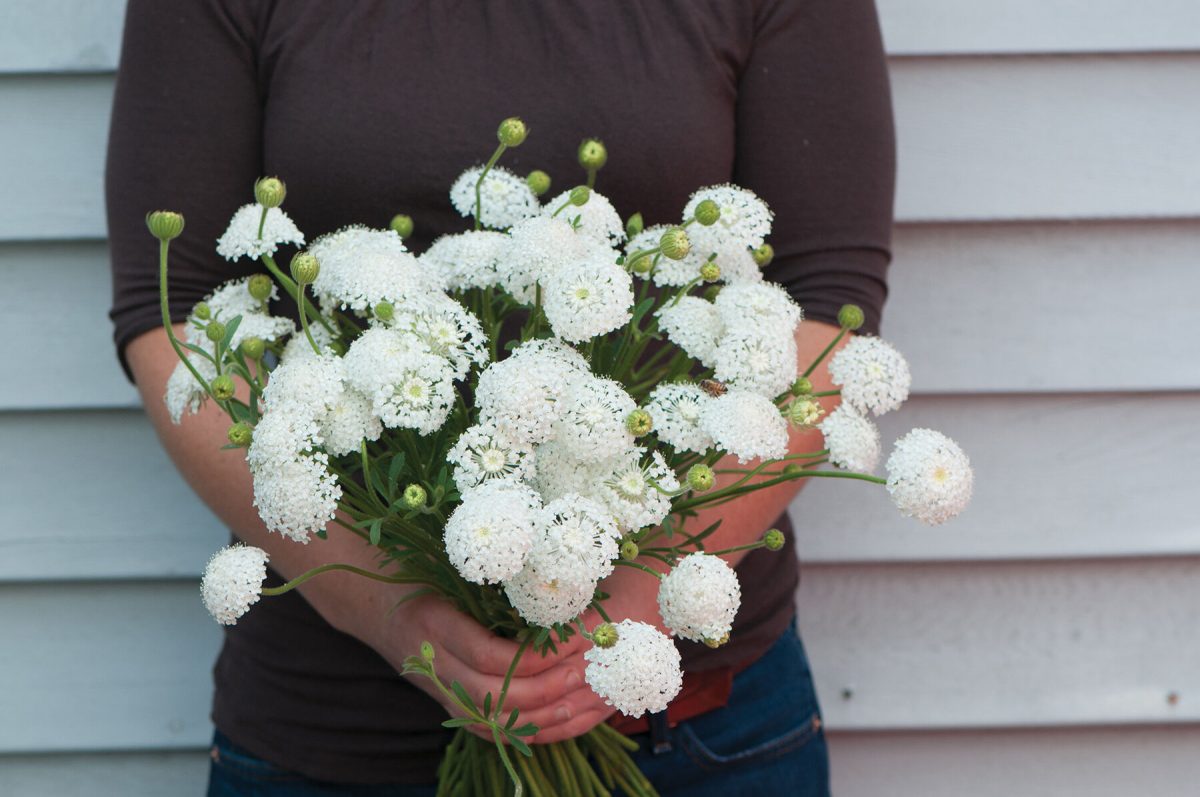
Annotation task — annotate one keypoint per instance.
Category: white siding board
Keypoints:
(1075, 476)
(954, 27)
(128, 512)
(987, 645)
(104, 774)
(1098, 762)
(106, 666)
(60, 35)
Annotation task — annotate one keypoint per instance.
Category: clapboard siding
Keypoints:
(111, 666)
(979, 139)
(104, 774)
(60, 35)
(1098, 762)
(130, 514)
(992, 645)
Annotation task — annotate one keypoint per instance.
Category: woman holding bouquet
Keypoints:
(371, 109)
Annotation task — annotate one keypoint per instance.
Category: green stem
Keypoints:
(304, 319)
(800, 474)
(479, 183)
(316, 571)
(841, 334)
(750, 546)
(166, 314)
(512, 668)
(640, 566)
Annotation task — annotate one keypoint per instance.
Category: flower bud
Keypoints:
(259, 286)
(414, 496)
(605, 635)
(851, 317)
(222, 387)
(202, 311)
(580, 194)
(305, 268)
(165, 224)
(253, 347)
(240, 434)
(384, 311)
(538, 182)
(716, 643)
(512, 132)
(802, 386)
(427, 651)
(710, 271)
(804, 411)
(630, 550)
(634, 226)
(773, 540)
(708, 212)
(639, 423)
(710, 293)
(269, 192)
(700, 477)
(791, 469)
(402, 225)
(643, 264)
(763, 255)
(215, 331)
(675, 243)
(592, 154)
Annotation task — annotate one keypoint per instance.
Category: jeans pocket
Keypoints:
(236, 762)
(751, 751)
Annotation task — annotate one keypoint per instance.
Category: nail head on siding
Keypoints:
(1172, 698)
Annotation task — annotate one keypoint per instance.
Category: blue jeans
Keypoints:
(768, 740)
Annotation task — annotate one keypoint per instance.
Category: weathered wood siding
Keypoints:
(1044, 289)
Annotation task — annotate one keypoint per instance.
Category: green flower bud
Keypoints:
(708, 212)
(580, 194)
(384, 311)
(710, 293)
(635, 225)
(763, 255)
(592, 154)
(851, 317)
(791, 469)
(240, 434)
(773, 540)
(639, 423)
(630, 550)
(222, 387)
(215, 331)
(643, 264)
(253, 347)
(165, 224)
(414, 496)
(202, 311)
(700, 477)
(538, 182)
(605, 635)
(259, 285)
(427, 651)
(710, 271)
(401, 224)
(804, 412)
(675, 243)
(716, 643)
(305, 268)
(802, 386)
(512, 132)
(269, 192)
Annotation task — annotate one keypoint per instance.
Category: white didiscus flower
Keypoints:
(505, 198)
(348, 422)
(537, 248)
(694, 325)
(872, 374)
(468, 259)
(409, 387)
(747, 425)
(232, 582)
(596, 219)
(666, 272)
(757, 357)
(587, 298)
(560, 472)
(298, 347)
(524, 392)
(241, 238)
(489, 534)
(314, 384)
(592, 423)
(448, 330)
(852, 440)
(744, 224)
(361, 267)
(738, 266)
(637, 494)
(699, 598)
(486, 451)
(282, 433)
(545, 600)
(640, 673)
(296, 497)
(675, 410)
(184, 394)
(929, 476)
(233, 299)
(749, 303)
(577, 540)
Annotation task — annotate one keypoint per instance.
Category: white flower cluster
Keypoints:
(852, 440)
(699, 598)
(505, 198)
(872, 374)
(242, 239)
(640, 673)
(232, 582)
(929, 476)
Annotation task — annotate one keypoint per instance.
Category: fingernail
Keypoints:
(573, 679)
(562, 714)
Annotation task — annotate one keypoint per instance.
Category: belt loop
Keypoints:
(660, 733)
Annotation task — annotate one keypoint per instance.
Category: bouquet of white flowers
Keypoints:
(521, 408)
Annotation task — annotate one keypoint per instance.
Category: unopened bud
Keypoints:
(592, 154)
(804, 412)
(253, 347)
(401, 224)
(605, 635)
(414, 496)
(643, 264)
(240, 434)
(700, 477)
(639, 423)
(512, 132)
(634, 226)
(215, 331)
(716, 643)
(802, 386)
(222, 387)
(165, 224)
(791, 469)
(202, 311)
(773, 540)
(260, 285)
(710, 293)
(630, 550)
(305, 268)
(708, 212)
(675, 243)
(384, 311)
(580, 194)
(538, 182)
(427, 651)
(269, 192)
(710, 271)
(851, 317)
(763, 255)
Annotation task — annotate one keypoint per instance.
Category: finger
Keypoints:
(527, 694)
(577, 726)
(468, 641)
(566, 709)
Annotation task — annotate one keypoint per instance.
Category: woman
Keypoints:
(368, 109)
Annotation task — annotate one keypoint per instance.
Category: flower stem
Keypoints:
(641, 567)
(166, 314)
(316, 571)
(841, 334)
(304, 319)
(479, 183)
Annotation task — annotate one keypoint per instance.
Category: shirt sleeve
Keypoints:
(185, 136)
(815, 139)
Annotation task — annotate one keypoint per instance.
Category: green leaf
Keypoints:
(512, 718)
(528, 729)
(458, 722)
(520, 746)
(487, 705)
(230, 327)
(376, 531)
(642, 308)
(395, 467)
(461, 692)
